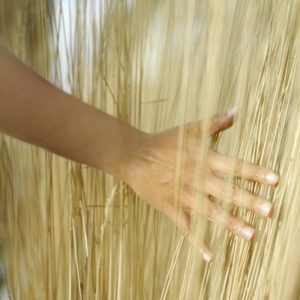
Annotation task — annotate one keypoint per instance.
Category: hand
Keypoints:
(152, 175)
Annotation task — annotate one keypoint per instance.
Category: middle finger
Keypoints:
(237, 196)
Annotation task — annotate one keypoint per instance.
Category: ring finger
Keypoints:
(219, 216)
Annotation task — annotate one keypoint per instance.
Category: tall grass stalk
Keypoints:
(72, 232)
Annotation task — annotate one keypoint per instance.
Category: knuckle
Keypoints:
(235, 194)
(238, 167)
(233, 224)
(210, 211)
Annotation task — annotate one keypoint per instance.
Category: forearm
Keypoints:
(33, 110)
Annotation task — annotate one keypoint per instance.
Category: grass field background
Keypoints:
(72, 232)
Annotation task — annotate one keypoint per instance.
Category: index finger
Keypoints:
(243, 169)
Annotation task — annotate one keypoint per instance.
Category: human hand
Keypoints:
(152, 174)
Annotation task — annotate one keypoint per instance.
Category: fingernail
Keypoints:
(272, 178)
(232, 112)
(266, 208)
(248, 232)
(207, 255)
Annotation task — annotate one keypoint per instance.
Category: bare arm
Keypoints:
(33, 110)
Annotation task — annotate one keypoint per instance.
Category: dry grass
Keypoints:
(72, 232)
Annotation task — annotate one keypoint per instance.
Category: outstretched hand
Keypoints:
(38, 113)
(152, 174)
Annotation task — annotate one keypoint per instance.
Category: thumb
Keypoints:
(223, 121)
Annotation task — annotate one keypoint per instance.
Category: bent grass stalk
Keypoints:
(72, 232)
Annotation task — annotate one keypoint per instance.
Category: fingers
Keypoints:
(183, 221)
(235, 195)
(219, 216)
(240, 168)
(222, 121)
(219, 122)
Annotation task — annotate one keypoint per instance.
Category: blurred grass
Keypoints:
(72, 232)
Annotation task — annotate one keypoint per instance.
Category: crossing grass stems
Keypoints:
(72, 232)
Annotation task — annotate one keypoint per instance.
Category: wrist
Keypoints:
(136, 146)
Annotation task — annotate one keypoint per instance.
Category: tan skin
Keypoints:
(37, 112)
